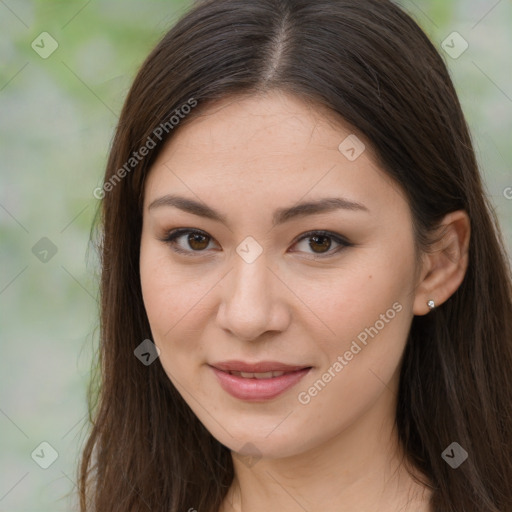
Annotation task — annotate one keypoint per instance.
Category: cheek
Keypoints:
(363, 299)
(369, 313)
(158, 290)
(359, 364)
(174, 300)
(357, 373)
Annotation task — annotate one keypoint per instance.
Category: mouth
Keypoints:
(257, 381)
(262, 375)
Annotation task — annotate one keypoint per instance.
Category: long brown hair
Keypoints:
(369, 63)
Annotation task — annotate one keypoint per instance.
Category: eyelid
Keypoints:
(171, 236)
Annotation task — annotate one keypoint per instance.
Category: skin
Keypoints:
(247, 156)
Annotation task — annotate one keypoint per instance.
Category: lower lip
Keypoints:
(254, 390)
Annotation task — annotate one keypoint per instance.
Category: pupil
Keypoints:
(196, 238)
(325, 245)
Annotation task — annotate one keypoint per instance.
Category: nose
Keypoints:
(253, 301)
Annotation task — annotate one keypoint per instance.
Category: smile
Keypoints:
(255, 386)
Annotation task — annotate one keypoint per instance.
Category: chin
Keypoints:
(250, 441)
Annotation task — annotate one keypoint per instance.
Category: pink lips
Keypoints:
(257, 389)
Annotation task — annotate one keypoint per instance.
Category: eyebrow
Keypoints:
(280, 216)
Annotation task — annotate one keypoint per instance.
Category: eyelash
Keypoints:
(172, 236)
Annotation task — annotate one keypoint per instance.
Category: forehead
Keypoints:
(260, 128)
(272, 148)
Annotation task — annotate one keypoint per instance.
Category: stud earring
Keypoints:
(431, 304)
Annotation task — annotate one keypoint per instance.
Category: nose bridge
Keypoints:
(249, 304)
(251, 274)
(251, 280)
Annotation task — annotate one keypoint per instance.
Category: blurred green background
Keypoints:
(57, 116)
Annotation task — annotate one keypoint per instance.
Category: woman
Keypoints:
(306, 304)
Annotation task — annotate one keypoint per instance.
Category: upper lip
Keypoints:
(259, 367)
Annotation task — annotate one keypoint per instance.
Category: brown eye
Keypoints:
(321, 242)
(197, 241)
(187, 241)
(192, 242)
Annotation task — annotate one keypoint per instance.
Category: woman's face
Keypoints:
(260, 290)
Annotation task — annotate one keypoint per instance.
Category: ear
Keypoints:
(445, 265)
